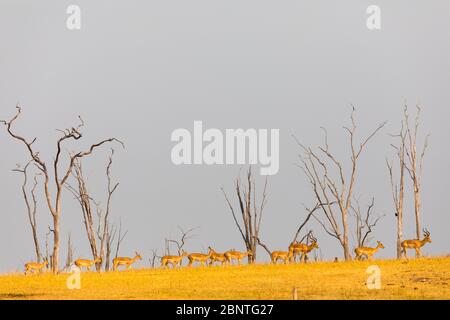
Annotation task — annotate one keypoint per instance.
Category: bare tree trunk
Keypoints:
(120, 238)
(415, 165)
(55, 254)
(251, 213)
(69, 258)
(110, 236)
(345, 244)
(31, 208)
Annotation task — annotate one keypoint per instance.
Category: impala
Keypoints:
(216, 257)
(285, 256)
(80, 263)
(125, 261)
(199, 257)
(303, 249)
(416, 244)
(368, 252)
(173, 260)
(35, 266)
(236, 255)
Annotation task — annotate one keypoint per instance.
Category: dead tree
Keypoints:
(251, 212)
(48, 256)
(69, 258)
(398, 184)
(153, 257)
(31, 205)
(109, 240)
(185, 236)
(112, 187)
(414, 163)
(85, 200)
(81, 194)
(317, 165)
(364, 223)
(121, 236)
(54, 200)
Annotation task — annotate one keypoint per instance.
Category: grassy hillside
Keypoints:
(415, 279)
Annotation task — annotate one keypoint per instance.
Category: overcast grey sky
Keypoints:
(137, 70)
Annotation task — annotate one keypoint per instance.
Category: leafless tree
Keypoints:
(121, 236)
(81, 193)
(153, 257)
(109, 240)
(317, 164)
(250, 212)
(48, 256)
(31, 205)
(69, 258)
(365, 224)
(414, 163)
(185, 236)
(55, 207)
(398, 184)
(112, 187)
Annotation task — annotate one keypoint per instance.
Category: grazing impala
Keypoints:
(368, 252)
(416, 244)
(231, 255)
(80, 263)
(173, 260)
(303, 249)
(216, 257)
(199, 257)
(285, 256)
(34, 266)
(125, 261)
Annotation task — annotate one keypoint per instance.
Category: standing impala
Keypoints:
(284, 256)
(199, 257)
(231, 255)
(216, 257)
(416, 244)
(303, 249)
(368, 252)
(80, 263)
(125, 261)
(173, 260)
(35, 266)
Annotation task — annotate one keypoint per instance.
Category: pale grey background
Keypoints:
(139, 69)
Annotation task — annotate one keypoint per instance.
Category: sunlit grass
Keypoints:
(415, 279)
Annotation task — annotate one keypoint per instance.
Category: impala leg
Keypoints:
(404, 253)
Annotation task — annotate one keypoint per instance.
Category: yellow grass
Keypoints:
(415, 279)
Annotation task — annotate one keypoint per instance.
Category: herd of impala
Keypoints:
(295, 249)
